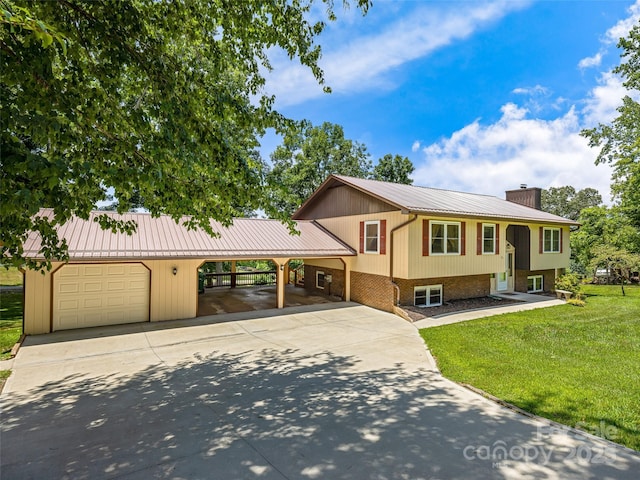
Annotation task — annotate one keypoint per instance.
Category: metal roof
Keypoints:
(425, 200)
(162, 237)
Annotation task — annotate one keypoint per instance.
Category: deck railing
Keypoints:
(240, 279)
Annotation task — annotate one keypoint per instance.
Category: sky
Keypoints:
(480, 96)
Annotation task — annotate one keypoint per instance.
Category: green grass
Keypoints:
(10, 322)
(576, 365)
(10, 277)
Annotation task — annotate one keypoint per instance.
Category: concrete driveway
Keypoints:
(327, 391)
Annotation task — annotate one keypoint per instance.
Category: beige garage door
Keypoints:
(94, 295)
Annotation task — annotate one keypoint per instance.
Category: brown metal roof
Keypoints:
(162, 237)
(424, 200)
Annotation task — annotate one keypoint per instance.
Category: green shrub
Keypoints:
(570, 282)
(576, 302)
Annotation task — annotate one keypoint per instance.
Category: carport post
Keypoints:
(280, 283)
(347, 279)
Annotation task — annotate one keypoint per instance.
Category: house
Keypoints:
(377, 243)
(424, 246)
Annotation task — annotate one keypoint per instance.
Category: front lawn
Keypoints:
(10, 276)
(10, 322)
(576, 365)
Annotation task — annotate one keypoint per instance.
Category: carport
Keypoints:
(152, 275)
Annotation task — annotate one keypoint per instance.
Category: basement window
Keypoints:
(535, 283)
(428, 296)
(320, 280)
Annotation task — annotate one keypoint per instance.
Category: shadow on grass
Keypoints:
(267, 414)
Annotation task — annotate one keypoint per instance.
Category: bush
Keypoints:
(576, 302)
(570, 282)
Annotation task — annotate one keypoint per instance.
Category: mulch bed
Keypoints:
(417, 313)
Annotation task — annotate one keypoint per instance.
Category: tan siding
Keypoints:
(325, 262)
(453, 265)
(545, 261)
(347, 229)
(37, 301)
(173, 296)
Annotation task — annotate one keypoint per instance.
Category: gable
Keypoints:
(341, 200)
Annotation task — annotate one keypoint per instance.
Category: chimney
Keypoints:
(529, 197)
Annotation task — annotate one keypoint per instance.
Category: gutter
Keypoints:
(396, 300)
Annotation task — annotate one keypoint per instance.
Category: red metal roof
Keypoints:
(162, 237)
(424, 200)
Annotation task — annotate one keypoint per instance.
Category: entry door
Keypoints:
(502, 278)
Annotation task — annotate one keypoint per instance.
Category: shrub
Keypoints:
(570, 282)
(576, 302)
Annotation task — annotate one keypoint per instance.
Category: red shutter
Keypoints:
(561, 235)
(383, 237)
(361, 237)
(479, 239)
(425, 238)
(497, 239)
(541, 238)
(463, 238)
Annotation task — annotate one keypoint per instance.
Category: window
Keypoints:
(535, 284)
(445, 238)
(320, 280)
(551, 240)
(371, 237)
(430, 296)
(488, 238)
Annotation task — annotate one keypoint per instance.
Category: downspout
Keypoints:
(395, 285)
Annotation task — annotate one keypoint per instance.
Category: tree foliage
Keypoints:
(619, 263)
(620, 140)
(395, 169)
(305, 159)
(567, 203)
(156, 100)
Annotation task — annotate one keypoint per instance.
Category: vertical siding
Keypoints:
(37, 301)
(471, 263)
(173, 297)
(347, 229)
(546, 261)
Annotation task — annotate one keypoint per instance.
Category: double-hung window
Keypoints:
(488, 238)
(429, 296)
(551, 240)
(320, 279)
(445, 238)
(372, 237)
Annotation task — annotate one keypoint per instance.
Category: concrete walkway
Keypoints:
(335, 391)
(528, 302)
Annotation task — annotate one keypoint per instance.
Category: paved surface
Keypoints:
(330, 391)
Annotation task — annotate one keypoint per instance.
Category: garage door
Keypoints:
(95, 295)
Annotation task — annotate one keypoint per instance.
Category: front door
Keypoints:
(502, 278)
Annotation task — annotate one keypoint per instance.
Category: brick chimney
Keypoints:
(527, 196)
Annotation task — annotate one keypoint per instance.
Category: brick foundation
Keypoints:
(373, 290)
(548, 282)
(453, 288)
(335, 288)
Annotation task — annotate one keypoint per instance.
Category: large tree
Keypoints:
(620, 140)
(567, 203)
(393, 168)
(306, 157)
(155, 100)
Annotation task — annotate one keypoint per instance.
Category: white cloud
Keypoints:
(537, 90)
(416, 146)
(516, 149)
(594, 61)
(604, 99)
(363, 62)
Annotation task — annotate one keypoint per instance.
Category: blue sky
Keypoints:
(481, 96)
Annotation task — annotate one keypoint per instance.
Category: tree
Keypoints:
(601, 226)
(161, 101)
(620, 141)
(304, 160)
(619, 263)
(567, 203)
(394, 169)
